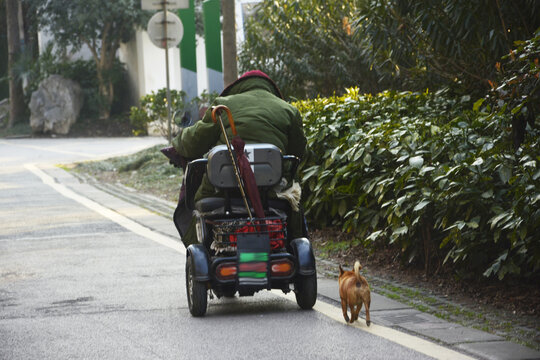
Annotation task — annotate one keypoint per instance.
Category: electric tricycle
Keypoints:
(243, 242)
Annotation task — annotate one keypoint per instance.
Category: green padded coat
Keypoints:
(260, 116)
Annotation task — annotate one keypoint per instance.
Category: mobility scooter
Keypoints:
(242, 250)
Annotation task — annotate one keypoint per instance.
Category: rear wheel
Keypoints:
(196, 291)
(306, 291)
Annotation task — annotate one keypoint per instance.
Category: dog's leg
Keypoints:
(352, 306)
(366, 305)
(357, 311)
(344, 309)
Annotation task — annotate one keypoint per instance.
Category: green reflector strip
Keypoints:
(251, 274)
(248, 257)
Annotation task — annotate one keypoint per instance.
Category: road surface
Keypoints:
(81, 281)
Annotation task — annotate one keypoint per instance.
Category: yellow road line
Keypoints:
(108, 213)
(412, 342)
(409, 341)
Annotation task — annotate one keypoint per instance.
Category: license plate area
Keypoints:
(253, 259)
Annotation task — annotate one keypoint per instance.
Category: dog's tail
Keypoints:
(357, 268)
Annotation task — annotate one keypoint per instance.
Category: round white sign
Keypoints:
(156, 30)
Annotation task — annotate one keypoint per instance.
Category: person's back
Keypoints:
(260, 115)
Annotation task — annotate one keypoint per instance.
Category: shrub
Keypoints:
(434, 176)
(154, 107)
(516, 91)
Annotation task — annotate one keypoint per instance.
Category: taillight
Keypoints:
(226, 271)
(283, 267)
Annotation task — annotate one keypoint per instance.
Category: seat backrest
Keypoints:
(265, 160)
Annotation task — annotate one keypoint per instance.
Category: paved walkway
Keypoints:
(384, 311)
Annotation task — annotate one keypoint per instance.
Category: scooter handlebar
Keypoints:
(217, 109)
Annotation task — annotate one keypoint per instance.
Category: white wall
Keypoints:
(145, 63)
(151, 65)
(44, 38)
(202, 76)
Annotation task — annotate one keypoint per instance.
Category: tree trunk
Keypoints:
(16, 97)
(104, 65)
(230, 72)
(106, 94)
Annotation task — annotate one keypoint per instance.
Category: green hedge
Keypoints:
(435, 176)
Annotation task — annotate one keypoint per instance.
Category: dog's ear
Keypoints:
(340, 270)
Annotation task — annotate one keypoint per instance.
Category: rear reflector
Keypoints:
(256, 266)
(226, 271)
(283, 267)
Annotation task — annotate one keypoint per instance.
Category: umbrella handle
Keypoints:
(217, 109)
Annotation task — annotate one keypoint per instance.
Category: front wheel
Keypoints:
(306, 291)
(196, 291)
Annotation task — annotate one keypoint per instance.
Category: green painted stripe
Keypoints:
(212, 34)
(251, 274)
(249, 257)
(188, 57)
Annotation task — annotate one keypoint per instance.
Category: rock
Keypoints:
(55, 105)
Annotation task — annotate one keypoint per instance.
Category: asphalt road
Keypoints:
(74, 284)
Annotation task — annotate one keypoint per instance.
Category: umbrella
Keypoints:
(242, 169)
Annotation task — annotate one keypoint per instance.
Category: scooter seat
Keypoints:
(213, 203)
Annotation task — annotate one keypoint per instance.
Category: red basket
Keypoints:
(275, 228)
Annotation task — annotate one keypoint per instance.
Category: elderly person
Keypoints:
(261, 115)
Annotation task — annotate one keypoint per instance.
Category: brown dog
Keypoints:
(354, 291)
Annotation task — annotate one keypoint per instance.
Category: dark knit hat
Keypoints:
(252, 74)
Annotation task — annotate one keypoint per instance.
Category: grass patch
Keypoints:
(147, 171)
(333, 247)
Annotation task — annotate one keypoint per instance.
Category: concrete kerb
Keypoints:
(384, 311)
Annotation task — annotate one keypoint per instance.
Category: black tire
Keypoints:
(196, 291)
(306, 291)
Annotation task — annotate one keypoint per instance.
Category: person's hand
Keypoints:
(202, 111)
(175, 159)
